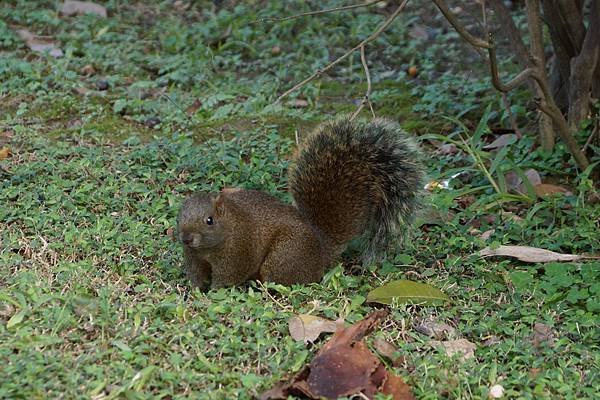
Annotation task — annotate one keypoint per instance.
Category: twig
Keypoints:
(366, 99)
(266, 291)
(474, 41)
(371, 37)
(486, 28)
(328, 10)
(588, 142)
(513, 83)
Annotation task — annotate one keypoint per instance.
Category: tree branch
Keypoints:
(371, 37)
(366, 99)
(582, 70)
(474, 41)
(318, 12)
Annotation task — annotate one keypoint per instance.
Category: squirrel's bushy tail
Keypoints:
(357, 178)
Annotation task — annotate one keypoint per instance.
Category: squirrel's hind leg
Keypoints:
(293, 260)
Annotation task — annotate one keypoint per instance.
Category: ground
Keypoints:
(163, 98)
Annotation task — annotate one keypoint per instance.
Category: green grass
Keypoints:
(93, 302)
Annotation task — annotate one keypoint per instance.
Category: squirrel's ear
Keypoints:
(218, 202)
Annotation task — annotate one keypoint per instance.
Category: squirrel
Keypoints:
(349, 179)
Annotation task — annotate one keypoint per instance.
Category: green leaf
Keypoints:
(122, 346)
(405, 291)
(140, 379)
(521, 280)
(119, 106)
(482, 126)
(16, 319)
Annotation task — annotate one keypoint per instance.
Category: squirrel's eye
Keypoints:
(209, 221)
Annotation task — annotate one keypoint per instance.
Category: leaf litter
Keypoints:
(40, 44)
(344, 367)
(82, 7)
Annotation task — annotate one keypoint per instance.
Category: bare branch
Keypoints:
(582, 70)
(534, 23)
(588, 142)
(514, 36)
(474, 41)
(516, 81)
(371, 37)
(367, 98)
(562, 127)
(511, 31)
(534, 69)
(318, 12)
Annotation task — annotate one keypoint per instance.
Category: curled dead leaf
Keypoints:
(531, 254)
(344, 367)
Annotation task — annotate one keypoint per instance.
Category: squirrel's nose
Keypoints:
(187, 239)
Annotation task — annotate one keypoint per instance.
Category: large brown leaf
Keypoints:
(344, 367)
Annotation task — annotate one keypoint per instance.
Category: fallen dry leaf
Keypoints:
(437, 330)
(462, 347)
(307, 328)
(195, 106)
(448, 149)
(82, 7)
(531, 254)
(511, 216)
(515, 183)
(501, 141)
(40, 44)
(80, 90)
(344, 367)
(491, 341)
(545, 189)
(4, 153)
(88, 70)
(542, 334)
(487, 234)
(298, 103)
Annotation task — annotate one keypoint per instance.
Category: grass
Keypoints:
(93, 303)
